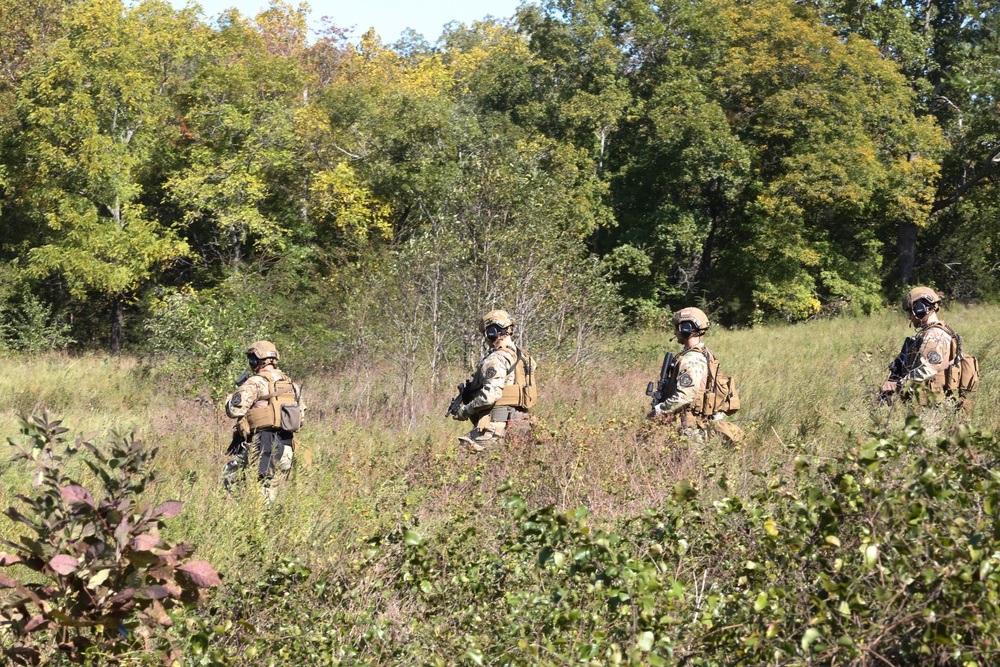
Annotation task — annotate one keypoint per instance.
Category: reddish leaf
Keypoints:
(123, 596)
(167, 510)
(36, 623)
(201, 573)
(7, 582)
(63, 564)
(76, 494)
(145, 542)
(8, 559)
(153, 593)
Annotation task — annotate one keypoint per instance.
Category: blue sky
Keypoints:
(388, 17)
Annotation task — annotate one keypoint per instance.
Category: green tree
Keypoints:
(94, 113)
(763, 162)
(949, 51)
(241, 187)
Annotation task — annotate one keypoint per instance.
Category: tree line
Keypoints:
(172, 181)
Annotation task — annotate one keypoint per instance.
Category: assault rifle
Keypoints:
(243, 378)
(661, 390)
(466, 392)
(901, 365)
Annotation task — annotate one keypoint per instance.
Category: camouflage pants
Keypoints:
(272, 453)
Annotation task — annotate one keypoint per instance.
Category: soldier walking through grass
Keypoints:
(931, 366)
(502, 390)
(266, 407)
(696, 392)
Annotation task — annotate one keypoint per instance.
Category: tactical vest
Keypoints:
(962, 374)
(719, 394)
(282, 410)
(523, 393)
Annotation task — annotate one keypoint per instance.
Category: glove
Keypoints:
(655, 412)
(461, 414)
(889, 387)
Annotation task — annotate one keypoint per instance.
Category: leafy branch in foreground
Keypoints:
(106, 575)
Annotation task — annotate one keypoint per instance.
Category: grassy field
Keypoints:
(804, 385)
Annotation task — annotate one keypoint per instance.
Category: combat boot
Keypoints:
(477, 440)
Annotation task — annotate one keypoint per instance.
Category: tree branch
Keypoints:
(992, 169)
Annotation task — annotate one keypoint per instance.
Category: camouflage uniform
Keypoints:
(934, 356)
(691, 373)
(272, 448)
(495, 371)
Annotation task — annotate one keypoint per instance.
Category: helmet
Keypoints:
(911, 302)
(496, 323)
(497, 317)
(695, 319)
(262, 350)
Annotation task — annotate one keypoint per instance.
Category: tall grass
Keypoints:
(591, 445)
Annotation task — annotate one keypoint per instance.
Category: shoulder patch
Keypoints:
(685, 380)
(933, 357)
(490, 372)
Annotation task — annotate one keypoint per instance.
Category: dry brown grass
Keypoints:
(590, 445)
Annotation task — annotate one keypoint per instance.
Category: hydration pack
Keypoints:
(720, 393)
(283, 410)
(962, 375)
(523, 393)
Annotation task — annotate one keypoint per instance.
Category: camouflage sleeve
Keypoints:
(493, 372)
(935, 356)
(245, 396)
(691, 377)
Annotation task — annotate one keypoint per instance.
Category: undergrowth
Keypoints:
(395, 547)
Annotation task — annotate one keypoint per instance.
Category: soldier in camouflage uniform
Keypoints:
(920, 368)
(270, 445)
(495, 371)
(690, 376)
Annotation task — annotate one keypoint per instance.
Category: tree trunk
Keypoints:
(907, 251)
(117, 321)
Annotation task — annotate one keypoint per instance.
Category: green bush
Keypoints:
(203, 337)
(884, 554)
(30, 327)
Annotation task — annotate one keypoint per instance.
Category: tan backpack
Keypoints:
(283, 410)
(720, 390)
(523, 393)
(962, 376)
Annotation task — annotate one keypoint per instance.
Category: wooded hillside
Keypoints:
(166, 175)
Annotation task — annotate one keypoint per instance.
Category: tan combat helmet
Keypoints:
(498, 317)
(695, 317)
(921, 294)
(262, 350)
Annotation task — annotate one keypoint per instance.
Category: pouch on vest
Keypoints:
(720, 390)
(282, 411)
(523, 393)
(962, 375)
(969, 371)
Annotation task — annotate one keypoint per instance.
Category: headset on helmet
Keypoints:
(920, 301)
(261, 351)
(691, 322)
(496, 323)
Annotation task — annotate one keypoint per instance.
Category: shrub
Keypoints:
(885, 554)
(32, 328)
(103, 576)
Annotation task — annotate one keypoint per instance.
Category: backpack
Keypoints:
(720, 390)
(283, 410)
(962, 376)
(523, 393)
